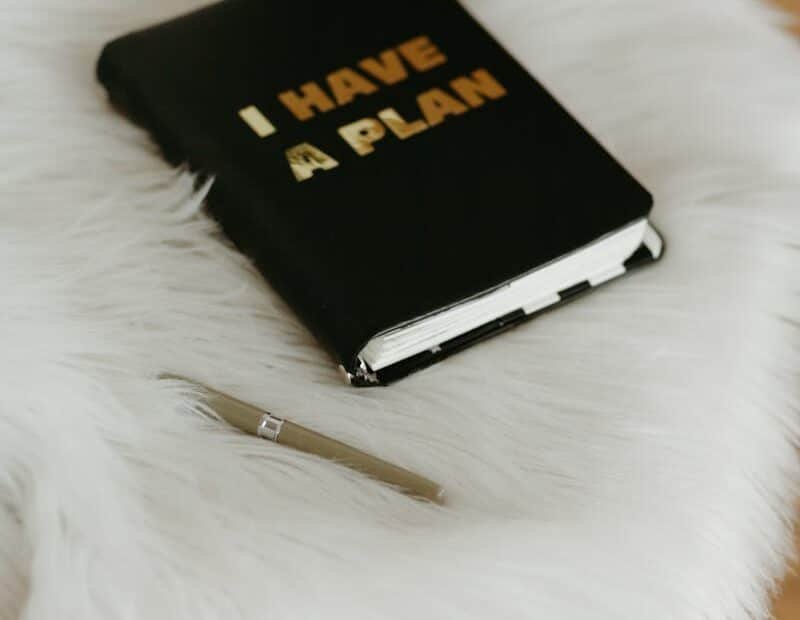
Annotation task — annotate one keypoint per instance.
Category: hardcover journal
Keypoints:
(393, 172)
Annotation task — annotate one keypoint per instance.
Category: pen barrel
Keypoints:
(305, 440)
(255, 421)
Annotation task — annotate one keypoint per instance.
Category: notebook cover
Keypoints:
(483, 178)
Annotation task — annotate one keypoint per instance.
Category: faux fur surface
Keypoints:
(631, 455)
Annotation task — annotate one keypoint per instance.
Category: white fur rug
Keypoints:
(628, 456)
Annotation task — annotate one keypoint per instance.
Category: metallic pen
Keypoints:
(260, 423)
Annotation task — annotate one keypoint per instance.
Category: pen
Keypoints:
(263, 424)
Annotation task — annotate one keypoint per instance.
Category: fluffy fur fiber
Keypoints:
(629, 456)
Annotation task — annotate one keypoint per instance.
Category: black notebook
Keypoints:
(395, 174)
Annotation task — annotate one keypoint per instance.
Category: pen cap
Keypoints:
(245, 417)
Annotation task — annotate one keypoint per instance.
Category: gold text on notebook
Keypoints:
(431, 108)
(344, 85)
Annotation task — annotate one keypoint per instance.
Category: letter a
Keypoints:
(305, 158)
(436, 105)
